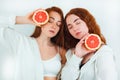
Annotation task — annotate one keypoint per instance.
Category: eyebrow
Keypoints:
(75, 20)
(54, 19)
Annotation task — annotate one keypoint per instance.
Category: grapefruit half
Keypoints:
(92, 42)
(40, 17)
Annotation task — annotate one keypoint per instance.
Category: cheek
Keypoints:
(42, 28)
(71, 32)
(86, 29)
(57, 30)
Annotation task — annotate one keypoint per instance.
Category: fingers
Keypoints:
(38, 9)
(38, 25)
(81, 49)
(84, 37)
(82, 40)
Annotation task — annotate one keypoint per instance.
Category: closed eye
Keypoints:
(77, 22)
(59, 23)
(70, 26)
(51, 20)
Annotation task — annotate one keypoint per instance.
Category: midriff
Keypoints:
(50, 78)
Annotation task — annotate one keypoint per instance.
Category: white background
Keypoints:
(106, 13)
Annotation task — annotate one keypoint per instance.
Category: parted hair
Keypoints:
(86, 16)
(58, 39)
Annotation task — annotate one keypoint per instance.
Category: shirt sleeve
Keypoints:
(7, 20)
(71, 69)
(105, 65)
(8, 36)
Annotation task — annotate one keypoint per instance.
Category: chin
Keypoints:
(51, 36)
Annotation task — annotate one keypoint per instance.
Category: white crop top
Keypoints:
(52, 67)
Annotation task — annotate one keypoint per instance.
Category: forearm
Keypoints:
(106, 68)
(69, 73)
(71, 69)
(8, 35)
(23, 20)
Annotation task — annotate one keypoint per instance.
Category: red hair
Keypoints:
(93, 27)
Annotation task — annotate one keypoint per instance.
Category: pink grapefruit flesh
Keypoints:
(92, 42)
(40, 17)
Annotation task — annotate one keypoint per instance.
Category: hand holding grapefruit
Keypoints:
(92, 42)
(40, 17)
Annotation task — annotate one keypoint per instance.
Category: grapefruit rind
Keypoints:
(40, 23)
(95, 43)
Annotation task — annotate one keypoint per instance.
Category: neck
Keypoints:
(42, 40)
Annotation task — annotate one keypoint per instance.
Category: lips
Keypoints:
(78, 33)
(51, 31)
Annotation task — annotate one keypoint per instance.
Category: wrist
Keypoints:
(78, 54)
(23, 20)
(19, 19)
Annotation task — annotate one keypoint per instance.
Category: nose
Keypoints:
(53, 25)
(74, 28)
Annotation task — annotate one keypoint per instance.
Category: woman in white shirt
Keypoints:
(37, 57)
(84, 64)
